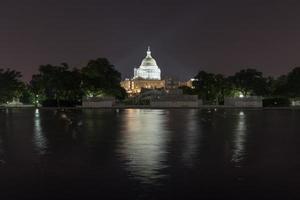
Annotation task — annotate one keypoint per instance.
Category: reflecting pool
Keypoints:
(149, 154)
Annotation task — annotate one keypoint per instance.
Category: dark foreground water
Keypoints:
(149, 154)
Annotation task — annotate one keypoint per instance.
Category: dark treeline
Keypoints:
(10, 85)
(61, 85)
(213, 88)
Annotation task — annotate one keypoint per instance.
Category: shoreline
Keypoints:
(151, 107)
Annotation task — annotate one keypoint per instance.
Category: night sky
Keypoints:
(185, 35)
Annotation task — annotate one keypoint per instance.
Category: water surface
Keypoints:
(149, 154)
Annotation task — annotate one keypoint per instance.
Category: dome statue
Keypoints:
(148, 69)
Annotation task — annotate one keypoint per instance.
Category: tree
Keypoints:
(292, 87)
(270, 86)
(99, 77)
(10, 85)
(211, 87)
(57, 83)
(224, 88)
(250, 82)
(27, 96)
(37, 88)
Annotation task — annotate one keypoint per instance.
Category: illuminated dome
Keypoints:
(148, 61)
(148, 69)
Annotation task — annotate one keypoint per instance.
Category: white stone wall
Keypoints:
(243, 102)
(13, 103)
(99, 104)
(296, 103)
(174, 104)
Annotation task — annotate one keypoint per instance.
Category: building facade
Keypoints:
(148, 69)
(148, 76)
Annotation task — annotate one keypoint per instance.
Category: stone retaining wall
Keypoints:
(243, 102)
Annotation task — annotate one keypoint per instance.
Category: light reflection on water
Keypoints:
(239, 139)
(191, 138)
(39, 140)
(144, 139)
(144, 143)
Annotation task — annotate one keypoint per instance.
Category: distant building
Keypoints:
(188, 83)
(148, 75)
(135, 86)
(171, 83)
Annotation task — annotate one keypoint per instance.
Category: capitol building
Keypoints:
(147, 75)
(148, 69)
